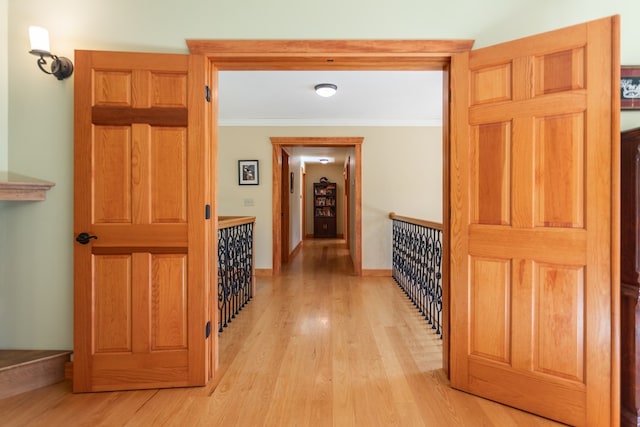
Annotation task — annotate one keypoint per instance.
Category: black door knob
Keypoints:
(84, 238)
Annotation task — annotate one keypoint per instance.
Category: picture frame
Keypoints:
(630, 87)
(248, 172)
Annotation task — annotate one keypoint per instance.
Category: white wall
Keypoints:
(394, 159)
(247, 200)
(36, 263)
(405, 177)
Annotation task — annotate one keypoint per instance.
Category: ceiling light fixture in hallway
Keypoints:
(326, 89)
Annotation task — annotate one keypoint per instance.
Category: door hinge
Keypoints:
(207, 211)
(207, 93)
(207, 330)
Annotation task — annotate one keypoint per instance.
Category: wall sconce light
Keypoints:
(61, 67)
(326, 89)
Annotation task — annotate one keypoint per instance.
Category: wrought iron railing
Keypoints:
(236, 278)
(417, 265)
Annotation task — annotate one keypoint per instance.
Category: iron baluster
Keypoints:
(417, 268)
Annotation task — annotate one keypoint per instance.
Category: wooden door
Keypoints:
(285, 208)
(533, 244)
(142, 184)
(346, 203)
(303, 190)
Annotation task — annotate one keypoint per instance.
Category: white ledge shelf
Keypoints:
(18, 187)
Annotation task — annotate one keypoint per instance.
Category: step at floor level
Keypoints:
(24, 370)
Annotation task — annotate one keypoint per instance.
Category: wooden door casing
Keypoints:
(141, 166)
(285, 209)
(533, 244)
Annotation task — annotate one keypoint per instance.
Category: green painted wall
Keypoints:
(4, 85)
(36, 239)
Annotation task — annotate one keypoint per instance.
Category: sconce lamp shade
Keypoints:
(60, 67)
(39, 38)
(326, 89)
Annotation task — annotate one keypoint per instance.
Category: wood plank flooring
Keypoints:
(316, 346)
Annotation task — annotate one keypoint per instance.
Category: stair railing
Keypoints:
(236, 270)
(417, 265)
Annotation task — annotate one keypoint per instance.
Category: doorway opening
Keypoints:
(280, 144)
(310, 165)
(399, 55)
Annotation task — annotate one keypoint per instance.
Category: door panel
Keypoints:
(491, 177)
(168, 302)
(112, 195)
(531, 272)
(559, 165)
(112, 305)
(559, 291)
(141, 185)
(490, 329)
(168, 164)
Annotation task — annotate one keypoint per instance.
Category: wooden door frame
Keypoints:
(351, 55)
(303, 186)
(285, 209)
(346, 205)
(279, 144)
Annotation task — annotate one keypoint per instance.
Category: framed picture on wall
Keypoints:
(630, 87)
(248, 172)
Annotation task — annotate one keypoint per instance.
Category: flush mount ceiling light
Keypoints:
(61, 67)
(326, 89)
(324, 161)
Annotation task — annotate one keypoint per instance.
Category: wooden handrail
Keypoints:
(416, 221)
(231, 221)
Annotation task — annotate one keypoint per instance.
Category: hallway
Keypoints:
(343, 351)
(316, 346)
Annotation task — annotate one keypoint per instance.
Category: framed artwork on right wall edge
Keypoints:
(630, 87)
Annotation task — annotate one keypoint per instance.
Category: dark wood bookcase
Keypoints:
(324, 209)
(629, 276)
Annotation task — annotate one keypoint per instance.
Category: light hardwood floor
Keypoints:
(315, 347)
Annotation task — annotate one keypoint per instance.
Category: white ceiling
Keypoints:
(314, 154)
(364, 98)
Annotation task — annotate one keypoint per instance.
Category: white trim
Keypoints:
(331, 122)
